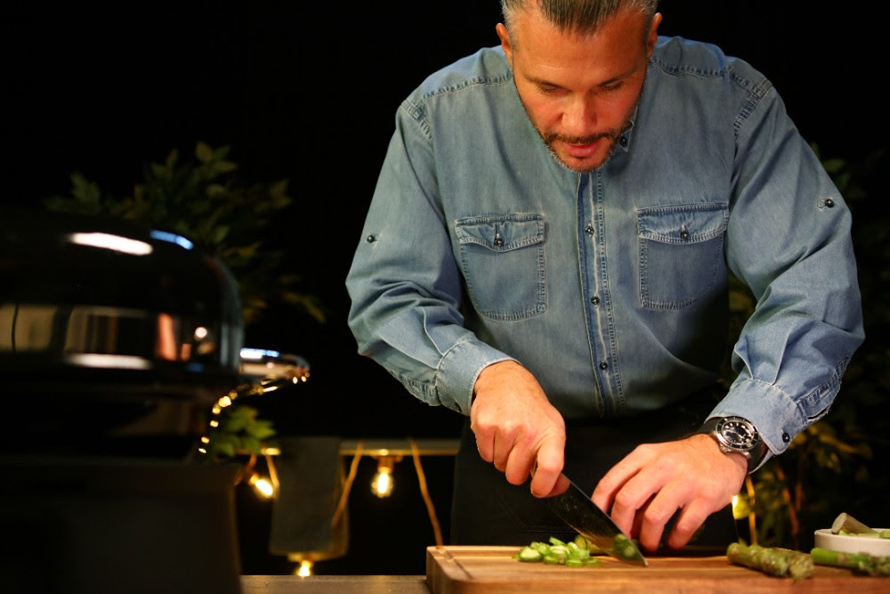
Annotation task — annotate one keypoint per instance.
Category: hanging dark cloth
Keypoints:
(310, 484)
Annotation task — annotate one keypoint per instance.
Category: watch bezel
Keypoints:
(738, 434)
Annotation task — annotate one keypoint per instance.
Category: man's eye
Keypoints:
(610, 87)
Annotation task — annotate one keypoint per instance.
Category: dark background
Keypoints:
(307, 92)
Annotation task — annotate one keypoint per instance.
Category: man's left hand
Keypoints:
(690, 476)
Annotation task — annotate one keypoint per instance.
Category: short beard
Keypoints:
(610, 135)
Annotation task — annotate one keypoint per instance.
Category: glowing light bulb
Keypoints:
(305, 569)
(262, 486)
(382, 483)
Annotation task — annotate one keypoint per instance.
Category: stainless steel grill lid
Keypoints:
(109, 311)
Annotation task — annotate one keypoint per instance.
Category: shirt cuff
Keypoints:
(459, 369)
(774, 412)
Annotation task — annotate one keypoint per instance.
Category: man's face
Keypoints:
(579, 91)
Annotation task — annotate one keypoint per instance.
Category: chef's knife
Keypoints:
(577, 509)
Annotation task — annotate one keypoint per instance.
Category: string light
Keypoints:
(386, 456)
(261, 485)
(305, 568)
(382, 483)
(270, 370)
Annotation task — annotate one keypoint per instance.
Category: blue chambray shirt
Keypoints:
(610, 286)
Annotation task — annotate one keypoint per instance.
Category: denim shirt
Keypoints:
(610, 286)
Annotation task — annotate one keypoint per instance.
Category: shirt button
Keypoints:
(829, 203)
(684, 235)
(370, 239)
(604, 366)
(595, 300)
(786, 438)
(498, 240)
(623, 141)
(588, 229)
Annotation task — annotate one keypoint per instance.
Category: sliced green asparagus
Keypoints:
(624, 547)
(557, 552)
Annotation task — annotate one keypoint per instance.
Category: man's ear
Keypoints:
(504, 36)
(653, 34)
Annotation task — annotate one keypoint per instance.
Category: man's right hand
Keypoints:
(517, 428)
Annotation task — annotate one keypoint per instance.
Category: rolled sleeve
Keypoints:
(789, 241)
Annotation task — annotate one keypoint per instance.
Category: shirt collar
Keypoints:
(624, 139)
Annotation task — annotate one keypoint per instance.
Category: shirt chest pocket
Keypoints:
(681, 253)
(502, 260)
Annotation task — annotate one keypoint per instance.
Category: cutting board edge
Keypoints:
(460, 569)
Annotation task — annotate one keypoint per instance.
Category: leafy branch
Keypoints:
(202, 200)
(240, 431)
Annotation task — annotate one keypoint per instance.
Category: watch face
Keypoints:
(737, 434)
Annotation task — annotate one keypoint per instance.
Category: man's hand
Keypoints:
(654, 481)
(517, 428)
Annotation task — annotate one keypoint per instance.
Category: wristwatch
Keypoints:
(735, 434)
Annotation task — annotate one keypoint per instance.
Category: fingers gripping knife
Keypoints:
(578, 510)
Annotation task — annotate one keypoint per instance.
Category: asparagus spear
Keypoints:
(800, 565)
(874, 565)
(847, 524)
(771, 561)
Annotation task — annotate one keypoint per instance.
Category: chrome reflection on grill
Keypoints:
(109, 337)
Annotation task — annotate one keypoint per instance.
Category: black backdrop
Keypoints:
(307, 91)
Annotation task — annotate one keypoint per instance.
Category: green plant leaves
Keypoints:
(204, 201)
(240, 432)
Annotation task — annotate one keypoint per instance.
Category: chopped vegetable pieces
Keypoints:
(847, 524)
(624, 547)
(557, 552)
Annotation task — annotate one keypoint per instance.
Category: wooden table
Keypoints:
(491, 570)
(334, 584)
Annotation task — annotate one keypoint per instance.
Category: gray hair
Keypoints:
(577, 16)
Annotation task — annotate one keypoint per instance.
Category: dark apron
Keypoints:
(487, 510)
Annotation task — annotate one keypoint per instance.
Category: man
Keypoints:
(548, 252)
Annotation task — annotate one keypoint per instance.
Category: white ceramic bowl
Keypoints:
(852, 544)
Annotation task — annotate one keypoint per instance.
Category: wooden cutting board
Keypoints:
(492, 570)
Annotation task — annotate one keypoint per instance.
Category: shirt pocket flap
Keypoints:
(683, 224)
(500, 234)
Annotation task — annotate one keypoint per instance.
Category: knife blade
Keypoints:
(577, 509)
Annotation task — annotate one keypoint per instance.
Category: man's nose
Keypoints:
(580, 117)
